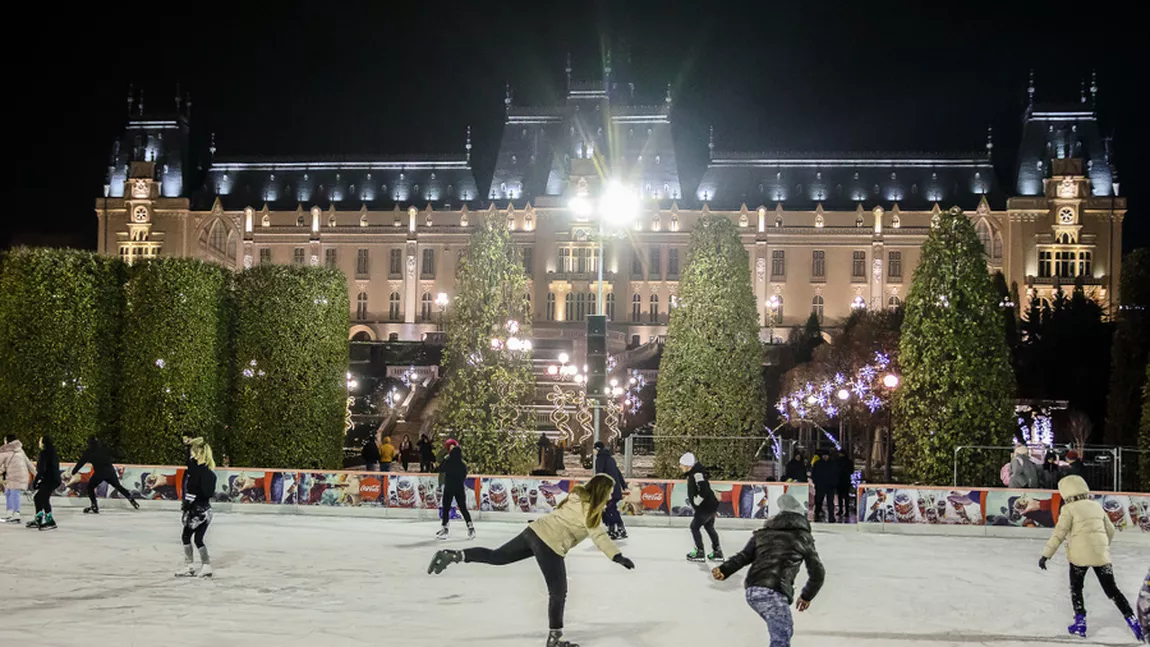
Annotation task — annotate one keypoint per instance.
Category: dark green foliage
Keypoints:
(1144, 432)
(289, 367)
(59, 319)
(175, 357)
(1129, 351)
(487, 390)
(710, 380)
(957, 384)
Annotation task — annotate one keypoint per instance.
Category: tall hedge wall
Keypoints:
(290, 365)
(175, 357)
(60, 313)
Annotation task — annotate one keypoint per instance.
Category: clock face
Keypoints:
(141, 214)
(1068, 189)
(1066, 216)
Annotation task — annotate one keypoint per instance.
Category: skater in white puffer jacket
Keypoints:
(17, 470)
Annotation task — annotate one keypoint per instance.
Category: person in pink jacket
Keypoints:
(17, 471)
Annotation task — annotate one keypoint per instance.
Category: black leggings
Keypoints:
(111, 479)
(554, 567)
(611, 516)
(706, 521)
(458, 495)
(43, 499)
(1105, 576)
(197, 533)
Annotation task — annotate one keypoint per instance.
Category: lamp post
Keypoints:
(441, 301)
(617, 207)
(890, 382)
(772, 309)
(843, 395)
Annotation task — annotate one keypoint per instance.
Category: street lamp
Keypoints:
(891, 381)
(772, 309)
(441, 301)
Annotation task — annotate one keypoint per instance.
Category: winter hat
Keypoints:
(1022, 450)
(688, 460)
(451, 442)
(1072, 455)
(788, 503)
(599, 444)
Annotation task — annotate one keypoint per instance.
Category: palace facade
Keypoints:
(825, 232)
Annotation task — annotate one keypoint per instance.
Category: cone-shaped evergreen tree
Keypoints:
(488, 388)
(710, 378)
(957, 384)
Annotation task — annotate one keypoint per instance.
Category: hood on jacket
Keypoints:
(1073, 486)
(1022, 450)
(787, 521)
(14, 446)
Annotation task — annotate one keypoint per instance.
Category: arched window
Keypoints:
(610, 306)
(592, 303)
(550, 306)
(893, 303)
(997, 247)
(654, 309)
(636, 308)
(817, 307)
(983, 231)
(393, 306)
(569, 307)
(361, 307)
(580, 307)
(217, 239)
(425, 307)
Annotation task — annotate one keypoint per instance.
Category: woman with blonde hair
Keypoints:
(199, 486)
(549, 539)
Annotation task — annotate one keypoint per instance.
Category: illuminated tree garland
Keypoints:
(808, 399)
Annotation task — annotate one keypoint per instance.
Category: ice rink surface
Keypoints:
(332, 581)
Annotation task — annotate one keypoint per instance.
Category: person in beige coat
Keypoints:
(17, 471)
(549, 539)
(1087, 531)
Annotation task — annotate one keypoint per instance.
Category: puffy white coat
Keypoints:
(16, 464)
(1082, 524)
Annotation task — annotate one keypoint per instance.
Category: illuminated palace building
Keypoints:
(825, 232)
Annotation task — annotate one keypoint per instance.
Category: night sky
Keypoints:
(409, 77)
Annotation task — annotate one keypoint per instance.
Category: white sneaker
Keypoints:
(206, 570)
(188, 570)
(442, 534)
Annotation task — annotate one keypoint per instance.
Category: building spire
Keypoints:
(1082, 90)
(668, 93)
(989, 141)
(507, 98)
(1030, 90)
(468, 145)
(1094, 87)
(607, 70)
(212, 148)
(711, 142)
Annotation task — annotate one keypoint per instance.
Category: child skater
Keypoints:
(774, 554)
(548, 539)
(1090, 530)
(706, 505)
(46, 481)
(199, 486)
(17, 471)
(454, 472)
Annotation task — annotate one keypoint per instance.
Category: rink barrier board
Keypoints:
(653, 498)
(911, 505)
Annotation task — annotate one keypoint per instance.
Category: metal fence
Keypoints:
(766, 455)
(1114, 469)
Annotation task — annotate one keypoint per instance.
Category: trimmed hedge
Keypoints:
(290, 364)
(60, 314)
(175, 357)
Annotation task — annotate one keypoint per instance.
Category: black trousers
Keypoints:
(43, 498)
(459, 495)
(197, 534)
(706, 521)
(611, 516)
(844, 504)
(427, 467)
(111, 479)
(827, 495)
(1105, 576)
(553, 566)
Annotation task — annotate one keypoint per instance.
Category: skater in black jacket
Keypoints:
(102, 472)
(706, 505)
(774, 554)
(605, 464)
(46, 481)
(199, 486)
(454, 472)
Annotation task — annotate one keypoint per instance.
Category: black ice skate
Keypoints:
(442, 534)
(92, 510)
(49, 524)
(36, 521)
(555, 639)
(622, 534)
(470, 531)
(134, 504)
(442, 560)
(696, 556)
(716, 556)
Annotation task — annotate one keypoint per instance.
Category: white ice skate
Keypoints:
(188, 570)
(206, 570)
(471, 532)
(12, 519)
(442, 534)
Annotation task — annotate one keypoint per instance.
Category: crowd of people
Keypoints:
(380, 455)
(1023, 473)
(831, 474)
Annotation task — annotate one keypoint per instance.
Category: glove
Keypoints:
(1042, 563)
(624, 562)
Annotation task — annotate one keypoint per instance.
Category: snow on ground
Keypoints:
(331, 581)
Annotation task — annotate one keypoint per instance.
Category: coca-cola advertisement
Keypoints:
(681, 506)
(1125, 511)
(646, 498)
(241, 486)
(522, 495)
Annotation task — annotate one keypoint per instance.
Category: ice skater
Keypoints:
(199, 486)
(46, 482)
(774, 554)
(454, 472)
(16, 471)
(605, 464)
(549, 539)
(1090, 530)
(706, 505)
(102, 472)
